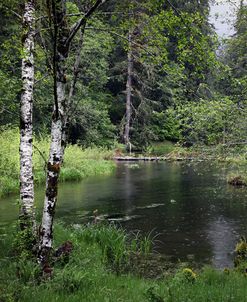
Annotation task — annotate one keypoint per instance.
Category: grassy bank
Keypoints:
(221, 152)
(78, 163)
(95, 271)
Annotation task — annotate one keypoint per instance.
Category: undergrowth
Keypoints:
(92, 273)
(78, 163)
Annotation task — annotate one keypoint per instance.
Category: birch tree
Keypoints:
(62, 36)
(26, 110)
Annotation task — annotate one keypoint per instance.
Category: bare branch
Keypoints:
(6, 110)
(98, 14)
(41, 79)
(42, 155)
(102, 14)
(76, 67)
(122, 37)
(12, 11)
(54, 12)
(83, 21)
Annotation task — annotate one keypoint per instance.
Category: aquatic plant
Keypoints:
(240, 260)
(117, 246)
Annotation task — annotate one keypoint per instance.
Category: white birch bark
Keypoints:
(54, 164)
(60, 53)
(62, 39)
(26, 110)
(53, 169)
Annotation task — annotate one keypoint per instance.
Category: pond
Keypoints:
(188, 207)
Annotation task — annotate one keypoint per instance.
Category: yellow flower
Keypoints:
(189, 274)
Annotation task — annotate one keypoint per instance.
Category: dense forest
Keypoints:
(82, 82)
(148, 71)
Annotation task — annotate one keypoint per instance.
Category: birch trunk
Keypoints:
(62, 37)
(60, 53)
(53, 169)
(128, 95)
(26, 125)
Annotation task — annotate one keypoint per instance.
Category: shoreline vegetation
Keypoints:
(100, 262)
(80, 163)
(155, 76)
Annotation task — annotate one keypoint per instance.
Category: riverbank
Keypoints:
(221, 152)
(78, 163)
(99, 268)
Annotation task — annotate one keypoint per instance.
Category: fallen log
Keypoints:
(148, 158)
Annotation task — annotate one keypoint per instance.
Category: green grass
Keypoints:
(160, 149)
(90, 275)
(78, 163)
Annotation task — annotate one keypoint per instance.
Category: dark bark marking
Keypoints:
(51, 210)
(22, 123)
(54, 167)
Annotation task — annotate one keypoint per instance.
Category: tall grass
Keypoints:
(87, 275)
(118, 247)
(9, 161)
(78, 163)
(160, 149)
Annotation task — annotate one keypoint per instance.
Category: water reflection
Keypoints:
(195, 214)
(222, 235)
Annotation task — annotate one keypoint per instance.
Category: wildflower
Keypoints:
(189, 275)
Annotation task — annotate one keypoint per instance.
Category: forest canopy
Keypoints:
(144, 64)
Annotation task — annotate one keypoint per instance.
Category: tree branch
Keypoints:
(83, 21)
(12, 11)
(76, 67)
(41, 79)
(42, 156)
(122, 37)
(54, 12)
(98, 14)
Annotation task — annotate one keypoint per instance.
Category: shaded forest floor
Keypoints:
(100, 268)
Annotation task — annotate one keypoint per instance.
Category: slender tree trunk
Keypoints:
(72, 88)
(62, 37)
(53, 169)
(60, 53)
(128, 94)
(26, 123)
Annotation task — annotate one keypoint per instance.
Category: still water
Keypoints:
(188, 207)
